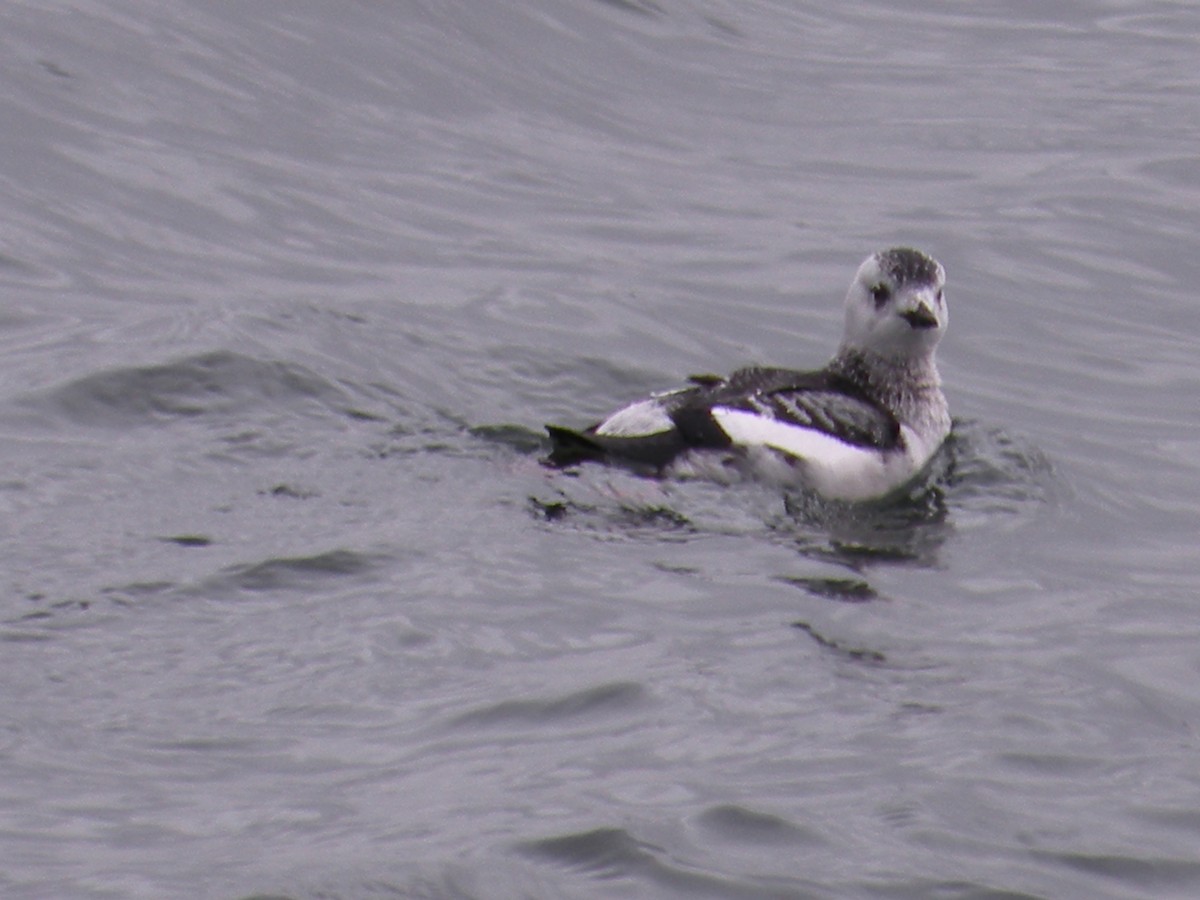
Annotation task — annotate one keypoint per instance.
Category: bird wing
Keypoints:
(820, 401)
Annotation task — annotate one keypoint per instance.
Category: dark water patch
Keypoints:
(907, 528)
(517, 438)
(445, 437)
(289, 492)
(929, 889)
(639, 7)
(187, 540)
(857, 654)
(603, 853)
(1149, 873)
(218, 746)
(620, 696)
(51, 617)
(1183, 171)
(67, 604)
(130, 594)
(13, 266)
(53, 68)
(737, 823)
(1054, 765)
(16, 636)
(613, 503)
(35, 616)
(609, 854)
(862, 550)
(847, 590)
(362, 415)
(1182, 819)
(218, 383)
(292, 573)
(622, 519)
(60, 612)
(676, 569)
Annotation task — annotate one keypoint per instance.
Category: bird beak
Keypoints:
(920, 316)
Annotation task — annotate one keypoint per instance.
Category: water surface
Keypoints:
(288, 606)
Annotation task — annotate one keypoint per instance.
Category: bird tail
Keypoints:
(568, 447)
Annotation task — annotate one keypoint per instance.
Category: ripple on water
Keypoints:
(992, 474)
(292, 573)
(216, 383)
(618, 696)
(602, 852)
(611, 853)
(1153, 874)
(731, 822)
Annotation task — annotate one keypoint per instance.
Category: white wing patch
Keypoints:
(834, 468)
(639, 419)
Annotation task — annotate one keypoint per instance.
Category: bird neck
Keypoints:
(902, 384)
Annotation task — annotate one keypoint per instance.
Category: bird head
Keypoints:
(896, 307)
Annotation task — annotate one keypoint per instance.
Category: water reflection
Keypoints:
(907, 528)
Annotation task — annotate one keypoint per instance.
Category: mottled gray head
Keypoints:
(896, 306)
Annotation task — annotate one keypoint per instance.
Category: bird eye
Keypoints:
(939, 295)
(880, 294)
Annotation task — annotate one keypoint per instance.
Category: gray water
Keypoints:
(290, 609)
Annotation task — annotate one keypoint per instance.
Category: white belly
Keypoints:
(833, 468)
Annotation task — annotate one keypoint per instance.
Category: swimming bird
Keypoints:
(859, 428)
